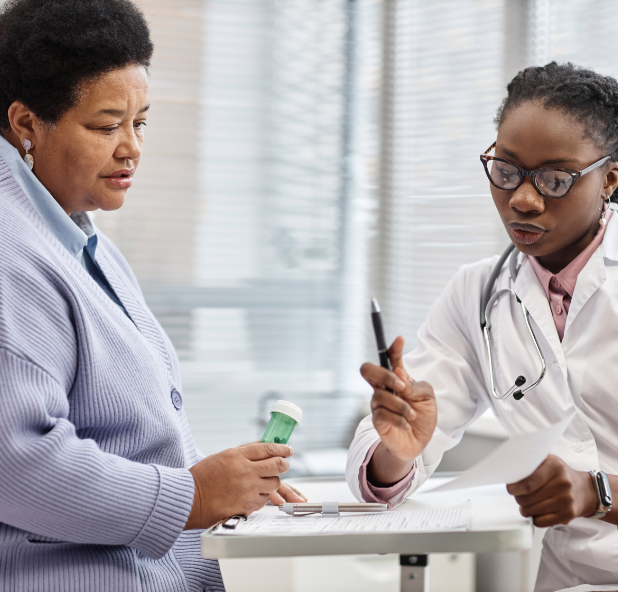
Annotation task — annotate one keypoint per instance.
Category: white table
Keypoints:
(497, 526)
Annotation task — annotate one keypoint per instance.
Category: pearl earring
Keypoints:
(602, 221)
(28, 159)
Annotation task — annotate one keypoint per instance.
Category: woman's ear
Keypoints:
(22, 122)
(610, 182)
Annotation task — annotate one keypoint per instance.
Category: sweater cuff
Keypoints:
(170, 513)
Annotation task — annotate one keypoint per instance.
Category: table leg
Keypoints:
(414, 573)
(524, 578)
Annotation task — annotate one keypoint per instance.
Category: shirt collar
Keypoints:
(567, 277)
(610, 242)
(73, 235)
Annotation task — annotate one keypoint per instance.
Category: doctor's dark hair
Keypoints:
(49, 47)
(589, 97)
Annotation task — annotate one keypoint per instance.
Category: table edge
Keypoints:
(476, 541)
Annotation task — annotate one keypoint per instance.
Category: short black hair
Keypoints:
(49, 47)
(589, 97)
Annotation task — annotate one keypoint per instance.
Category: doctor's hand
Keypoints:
(236, 481)
(555, 493)
(404, 420)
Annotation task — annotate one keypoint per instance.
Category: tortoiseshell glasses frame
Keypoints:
(549, 182)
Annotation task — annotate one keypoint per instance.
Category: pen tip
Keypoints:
(375, 307)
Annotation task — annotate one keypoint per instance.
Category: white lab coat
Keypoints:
(582, 376)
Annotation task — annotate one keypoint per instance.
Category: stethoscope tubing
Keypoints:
(486, 295)
(538, 349)
(487, 301)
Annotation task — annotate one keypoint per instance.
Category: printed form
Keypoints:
(456, 518)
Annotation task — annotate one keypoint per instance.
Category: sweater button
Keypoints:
(176, 399)
(578, 446)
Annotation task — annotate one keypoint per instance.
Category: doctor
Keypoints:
(561, 118)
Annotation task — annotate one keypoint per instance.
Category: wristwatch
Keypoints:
(604, 493)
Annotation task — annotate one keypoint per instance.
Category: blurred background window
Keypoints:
(250, 221)
(304, 155)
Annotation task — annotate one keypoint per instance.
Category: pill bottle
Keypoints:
(284, 417)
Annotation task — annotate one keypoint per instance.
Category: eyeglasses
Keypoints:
(553, 183)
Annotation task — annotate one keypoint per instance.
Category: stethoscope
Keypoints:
(487, 301)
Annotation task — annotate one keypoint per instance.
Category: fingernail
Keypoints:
(400, 384)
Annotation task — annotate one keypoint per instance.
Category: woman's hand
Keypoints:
(404, 420)
(236, 481)
(555, 494)
(286, 493)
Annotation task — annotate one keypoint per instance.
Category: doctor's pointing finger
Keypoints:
(405, 419)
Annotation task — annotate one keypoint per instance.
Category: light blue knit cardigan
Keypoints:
(94, 455)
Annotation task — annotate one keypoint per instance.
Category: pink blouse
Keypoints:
(559, 288)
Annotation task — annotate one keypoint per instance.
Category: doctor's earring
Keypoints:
(603, 221)
(28, 159)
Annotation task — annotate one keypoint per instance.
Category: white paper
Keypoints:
(514, 460)
(592, 588)
(452, 519)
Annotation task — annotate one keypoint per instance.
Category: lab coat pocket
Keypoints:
(592, 543)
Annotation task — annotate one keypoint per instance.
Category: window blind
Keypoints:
(579, 31)
(248, 223)
(445, 70)
(443, 80)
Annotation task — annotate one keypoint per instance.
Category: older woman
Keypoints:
(100, 476)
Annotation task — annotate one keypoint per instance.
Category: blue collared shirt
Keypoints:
(76, 232)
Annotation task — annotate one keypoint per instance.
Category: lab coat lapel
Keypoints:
(529, 289)
(594, 274)
(589, 280)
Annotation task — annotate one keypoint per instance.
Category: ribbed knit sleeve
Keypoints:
(57, 485)
(169, 514)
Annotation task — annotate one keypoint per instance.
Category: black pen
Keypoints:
(378, 329)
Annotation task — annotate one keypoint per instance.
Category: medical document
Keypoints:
(514, 460)
(456, 518)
